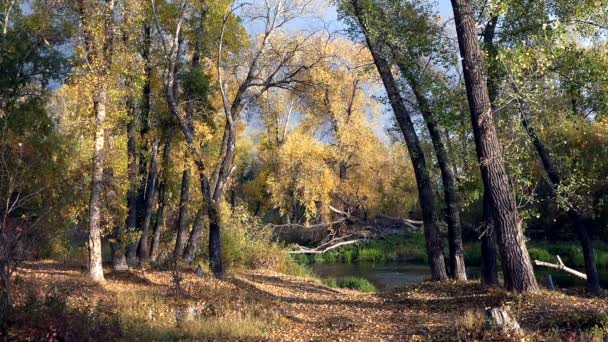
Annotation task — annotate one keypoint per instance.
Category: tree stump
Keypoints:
(549, 282)
(199, 271)
(500, 318)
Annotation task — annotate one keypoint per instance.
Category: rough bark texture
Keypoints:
(517, 267)
(195, 236)
(149, 203)
(132, 192)
(95, 265)
(182, 220)
(452, 210)
(434, 244)
(489, 269)
(160, 213)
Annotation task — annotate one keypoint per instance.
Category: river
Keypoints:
(395, 274)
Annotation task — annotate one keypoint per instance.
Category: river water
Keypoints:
(395, 274)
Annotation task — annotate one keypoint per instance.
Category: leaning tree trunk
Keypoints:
(195, 236)
(452, 210)
(489, 262)
(160, 213)
(576, 217)
(434, 245)
(149, 203)
(182, 220)
(95, 261)
(517, 267)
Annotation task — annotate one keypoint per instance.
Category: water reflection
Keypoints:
(395, 274)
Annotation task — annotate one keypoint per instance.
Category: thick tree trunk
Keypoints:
(95, 260)
(182, 220)
(119, 262)
(452, 210)
(215, 247)
(434, 244)
(489, 269)
(160, 213)
(195, 236)
(576, 217)
(517, 267)
(149, 204)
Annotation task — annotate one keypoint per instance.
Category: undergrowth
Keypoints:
(358, 284)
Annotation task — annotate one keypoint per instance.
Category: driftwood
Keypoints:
(560, 266)
(500, 318)
(321, 250)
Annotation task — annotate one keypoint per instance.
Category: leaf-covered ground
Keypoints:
(58, 302)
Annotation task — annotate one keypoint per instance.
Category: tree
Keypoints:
(97, 20)
(517, 267)
(434, 245)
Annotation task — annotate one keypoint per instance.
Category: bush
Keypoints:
(247, 244)
(358, 284)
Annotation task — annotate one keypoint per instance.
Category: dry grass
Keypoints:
(58, 302)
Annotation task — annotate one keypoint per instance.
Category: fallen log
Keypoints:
(317, 250)
(560, 266)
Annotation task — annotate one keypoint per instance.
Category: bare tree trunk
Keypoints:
(182, 220)
(195, 236)
(95, 260)
(452, 210)
(489, 270)
(160, 213)
(132, 192)
(215, 241)
(517, 267)
(434, 245)
(150, 194)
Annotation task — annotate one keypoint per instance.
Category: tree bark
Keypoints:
(160, 213)
(489, 269)
(434, 245)
(517, 266)
(452, 210)
(95, 260)
(132, 192)
(195, 237)
(149, 204)
(182, 220)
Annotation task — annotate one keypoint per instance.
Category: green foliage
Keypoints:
(390, 248)
(358, 284)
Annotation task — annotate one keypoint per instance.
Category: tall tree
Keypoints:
(517, 267)
(434, 245)
(97, 20)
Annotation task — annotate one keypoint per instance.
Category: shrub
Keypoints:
(358, 284)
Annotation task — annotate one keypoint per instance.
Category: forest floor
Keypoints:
(55, 301)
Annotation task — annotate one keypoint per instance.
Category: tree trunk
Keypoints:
(149, 204)
(182, 220)
(144, 127)
(160, 213)
(215, 247)
(452, 210)
(489, 269)
(517, 267)
(95, 260)
(132, 192)
(434, 244)
(195, 236)
(576, 217)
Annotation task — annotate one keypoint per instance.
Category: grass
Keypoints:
(358, 284)
(390, 248)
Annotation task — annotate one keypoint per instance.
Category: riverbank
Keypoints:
(58, 302)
